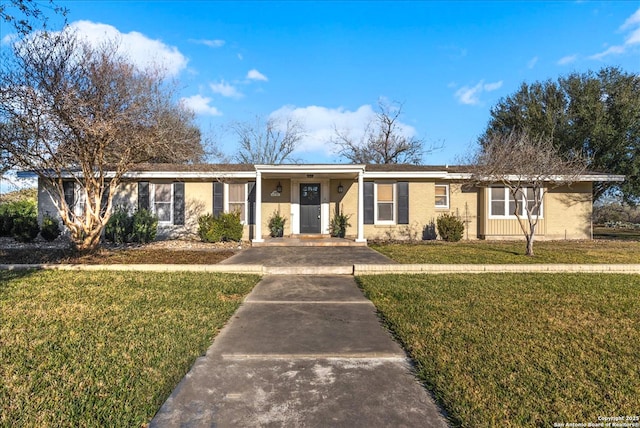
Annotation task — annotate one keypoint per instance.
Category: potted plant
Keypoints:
(339, 224)
(276, 225)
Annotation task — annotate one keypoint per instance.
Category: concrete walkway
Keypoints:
(302, 351)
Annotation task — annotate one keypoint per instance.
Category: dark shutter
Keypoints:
(218, 198)
(368, 202)
(143, 195)
(178, 203)
(69, 193)
(403, 202)
(251, 198)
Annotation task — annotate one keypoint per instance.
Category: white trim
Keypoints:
(170, 175)
(448, 196)
(391, 175)
(337, 169)
(258, 212)
(361, 237)
(310, 169)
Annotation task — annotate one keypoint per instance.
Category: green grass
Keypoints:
(600, 232)
(511, 252)
(104, 348)
(519, 349)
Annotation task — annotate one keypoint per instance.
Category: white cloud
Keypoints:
(215, 43)
(632, 26)
(225, 89)
(256, 75)
(320, 124)
(492, 86)
(532, 62)
(138, 48)
(631, 21)
(200, 105)
(613, 50)
(9, 38)
(633, 38)
(471, 95)
(565, 60)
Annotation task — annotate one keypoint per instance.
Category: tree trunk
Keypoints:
(530, 245)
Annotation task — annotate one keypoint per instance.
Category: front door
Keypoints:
(310, 208)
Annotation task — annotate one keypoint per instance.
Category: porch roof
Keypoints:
(310, 171)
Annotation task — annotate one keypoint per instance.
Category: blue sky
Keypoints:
(328, 63)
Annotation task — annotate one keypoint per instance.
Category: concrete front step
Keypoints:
(308, 241)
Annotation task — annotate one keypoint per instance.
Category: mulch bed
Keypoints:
(163, 252)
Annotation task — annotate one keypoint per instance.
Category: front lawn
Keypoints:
(511, 252)
(104, 348)
(519, 349)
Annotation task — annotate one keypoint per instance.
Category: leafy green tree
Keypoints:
(596, 115)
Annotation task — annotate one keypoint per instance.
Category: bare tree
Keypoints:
(525, 166)
(269, 143)
(383, 141)
(75, 112)
(23, 15)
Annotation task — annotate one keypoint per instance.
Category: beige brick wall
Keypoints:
(566, 215)
(345, 203)
(569, 212)
(423, 212)
(280, 204)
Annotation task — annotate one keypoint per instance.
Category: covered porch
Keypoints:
(308, 196)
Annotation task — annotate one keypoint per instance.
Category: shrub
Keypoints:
(141, 227)
(205, 228)
(276, 225)
(25, 228)
(224, 227)
(6, 220)
(339, 224)
(19, 219)
(450, 227)
(50, 229)
(119, 226)
(144, 226)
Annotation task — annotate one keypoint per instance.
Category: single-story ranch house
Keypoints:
(383, 201)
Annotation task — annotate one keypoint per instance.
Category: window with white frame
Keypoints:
(163, 201)
(502, 203)
(237, 199)
(385, 203)
(442, 196)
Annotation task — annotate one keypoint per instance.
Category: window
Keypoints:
(502, 203)
(162, 202)
(442, 196)
(238, 199)
(385, 207)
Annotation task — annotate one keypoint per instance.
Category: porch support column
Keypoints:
(258, 215)
(360, 237)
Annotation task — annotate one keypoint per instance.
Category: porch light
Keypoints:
(340, 188)
(279, 188)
